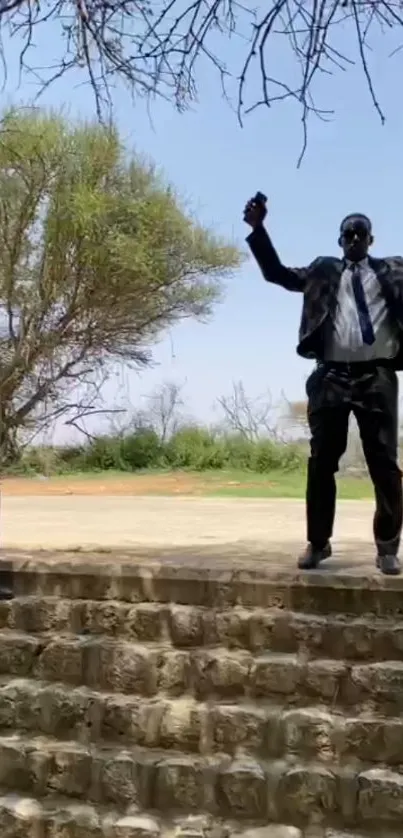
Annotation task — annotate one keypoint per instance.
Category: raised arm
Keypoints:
(273, 270)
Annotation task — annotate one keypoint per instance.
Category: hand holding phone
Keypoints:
(255, 210)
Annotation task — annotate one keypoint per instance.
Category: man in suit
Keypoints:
(352, 325)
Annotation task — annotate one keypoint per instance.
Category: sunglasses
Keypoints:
(351, 233)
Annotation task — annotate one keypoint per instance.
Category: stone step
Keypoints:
(26, 817)
(262, 730)
(184, 626)
(337, 833)
(212, 582)
(56, 817)
(131, 668)
(289, 792)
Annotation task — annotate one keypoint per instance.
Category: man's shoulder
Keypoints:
(395, 261)
(390, 261)
(393, 264)
(326, 263)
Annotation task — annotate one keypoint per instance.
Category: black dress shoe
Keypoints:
(313, 556)
(389, 565)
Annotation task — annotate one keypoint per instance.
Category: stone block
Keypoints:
(309, 732)
(252, 591)
(18, 654)
(20, 818)
(239, 728)
(134, 826)
(242, 791)
(220, 673)
(198, 826)
(132, 720)
(47, 614)
(351, 640)
(273, 831)
(325, 678)
(174, 672)
(105, 618)
(276, 675)
(380, 796)
(308, 793)
(233, 628)
(333, 637)
(69, 714)
(346, 833)
(8, 706)
(115, 778)
(342, 833)
(6, 615)
(180, 784)
(20, 705)
(69, 771)
(146, 622)
(372, 739)
(78, 820)
(347, 792)
(20, 768)
(377, 682)
(387, 642)
(62, 660)
(181, 725)
(284, 634)
(186, 626)
(123, 667)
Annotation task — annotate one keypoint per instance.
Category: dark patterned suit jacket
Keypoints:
(319, 283)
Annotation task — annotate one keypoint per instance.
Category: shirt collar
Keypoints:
(363, 263)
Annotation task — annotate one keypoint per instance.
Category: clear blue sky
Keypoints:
(352, 164)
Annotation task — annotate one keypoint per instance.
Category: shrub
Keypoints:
(271, 456)
(195, 448)
(141, 449)
(104, 453)
(190, 447)
(40, 460)
(72, 458)
(239, 451)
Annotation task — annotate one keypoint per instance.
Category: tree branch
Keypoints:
(158, 48)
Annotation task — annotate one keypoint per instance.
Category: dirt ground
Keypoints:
(122, 521)
(145, 484)
(164, 510)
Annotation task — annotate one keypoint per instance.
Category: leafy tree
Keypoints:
(97, 258)
(160, 46)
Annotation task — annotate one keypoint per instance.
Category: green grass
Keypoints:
(278, 485)
(241, 484)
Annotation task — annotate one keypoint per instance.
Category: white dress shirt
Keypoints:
(344, 338)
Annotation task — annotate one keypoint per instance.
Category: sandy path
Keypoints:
(73, 521)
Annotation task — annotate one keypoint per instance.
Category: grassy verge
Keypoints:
(221, 483)
(279, 485)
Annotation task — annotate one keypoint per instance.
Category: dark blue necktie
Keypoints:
(362, 308)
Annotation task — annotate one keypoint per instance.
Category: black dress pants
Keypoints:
(369, 391)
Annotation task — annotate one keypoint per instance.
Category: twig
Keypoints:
(160, 49)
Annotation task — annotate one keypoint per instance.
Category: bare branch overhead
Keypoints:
(159, 48)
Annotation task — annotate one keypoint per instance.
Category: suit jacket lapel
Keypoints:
(382, 271)
(335, 272)
(391, 290)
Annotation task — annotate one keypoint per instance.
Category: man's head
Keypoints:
(355, 236)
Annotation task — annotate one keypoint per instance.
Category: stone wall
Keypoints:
(144, 700)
